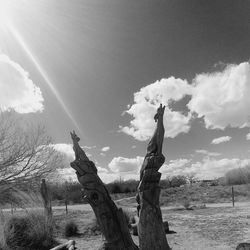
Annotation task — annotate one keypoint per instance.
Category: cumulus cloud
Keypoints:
(206, 169)
(67, 151)
(126, 165)
(17, 90)
(205, 152)
(248, 136)
(175, 166)
(221, 139)
(222, 98)
(147, 100)
(88, 147)
(105, 149)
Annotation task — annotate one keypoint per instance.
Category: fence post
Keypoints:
(66, 198)
(233, 195)
(46, 200)
(12, 208)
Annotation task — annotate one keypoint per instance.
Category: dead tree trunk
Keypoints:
(150, 227)
(70, 245)
(47, 205)
(46, 199)
(111, 219)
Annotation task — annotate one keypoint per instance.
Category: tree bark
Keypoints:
(47, 206)
(111, 219)
(70, 245)
(150, 227)
(46, 200)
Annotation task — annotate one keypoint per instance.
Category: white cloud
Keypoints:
(126, 165)
(88, 147)
(174, 166)
(221, 139)
(222, 98)
(17, 90)
(205, 152)
(133, 147)
(66, 149)
(68, 152)
(105, 149)
(102, 170)
(102, 154)
(147, 100)
(248, 136)
(206, 169)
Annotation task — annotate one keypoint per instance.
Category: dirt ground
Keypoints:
(216, 227)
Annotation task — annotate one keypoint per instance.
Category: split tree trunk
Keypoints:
(111, 219)
(151, 228)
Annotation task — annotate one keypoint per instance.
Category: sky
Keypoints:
(102, 68)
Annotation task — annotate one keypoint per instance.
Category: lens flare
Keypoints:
(43, 73)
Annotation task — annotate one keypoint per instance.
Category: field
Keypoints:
(217, 226)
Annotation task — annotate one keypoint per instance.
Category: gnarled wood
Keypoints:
(70, 245)
(150, 227)
(111, 219)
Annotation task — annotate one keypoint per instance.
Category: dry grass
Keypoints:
(213, 228)
(28, 228)
(207, 194)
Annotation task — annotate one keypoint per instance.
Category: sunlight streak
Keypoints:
(25, 47)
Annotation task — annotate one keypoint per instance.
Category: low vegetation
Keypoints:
(28, 232)
(237, 176)
(71, 229)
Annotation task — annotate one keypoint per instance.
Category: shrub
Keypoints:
(92, 228)
(238, 176)
(29, 232)
(127, 190)
(187, 204)
(128, 216)
(122, 186)
(71, 229)
(116, 188)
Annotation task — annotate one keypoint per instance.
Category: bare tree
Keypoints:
(26, 153)
(191, 178)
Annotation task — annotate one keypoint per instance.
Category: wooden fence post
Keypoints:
(66, 198)
(47, 205)
(233, 195)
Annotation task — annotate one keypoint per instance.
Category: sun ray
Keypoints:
(43, 73)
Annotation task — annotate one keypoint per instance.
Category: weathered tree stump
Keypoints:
(47, 205)
(150, 228)
(46, 199)
(70, 245)
(111, 219)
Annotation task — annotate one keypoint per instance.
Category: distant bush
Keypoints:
(238, 176)
(93, 228)
(29, 232)
(70, 191)
(116, 188)
(122, 186)
(128, 216)
(71, 229)
(174, 181)
(187, 204)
